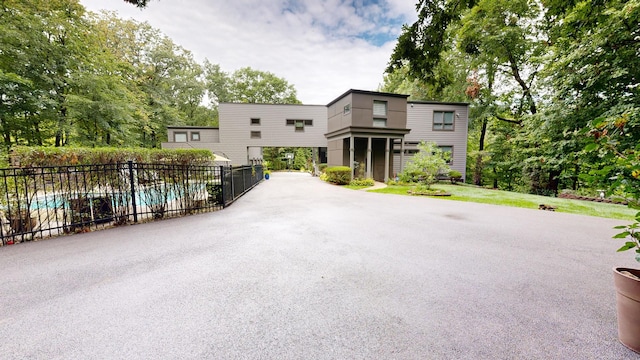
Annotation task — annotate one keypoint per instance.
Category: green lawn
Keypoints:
(507, 198)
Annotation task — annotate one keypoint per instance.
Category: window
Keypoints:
(180, 136)
(347, 109)
(299, 124)
(379, 108)
(195, 136)
(255, 121)
(443, 120)
(256, 135)
(377, 122)
(447, 151)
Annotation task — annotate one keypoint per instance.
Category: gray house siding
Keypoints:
(420, 121)
(270, 128)
(337, 118)
(244, 129)
(207, 134)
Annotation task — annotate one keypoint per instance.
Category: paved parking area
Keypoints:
(299, 269)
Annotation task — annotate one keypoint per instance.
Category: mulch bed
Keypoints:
(588, 198)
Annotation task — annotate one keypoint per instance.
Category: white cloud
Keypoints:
(317, 45)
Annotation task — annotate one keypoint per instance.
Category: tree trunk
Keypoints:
(477, 174)
(553, 181)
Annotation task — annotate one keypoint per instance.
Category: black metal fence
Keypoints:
(42, 202)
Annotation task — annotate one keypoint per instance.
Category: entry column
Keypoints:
(386, 159)
(351, 155)
(369, 174)
(401, 154)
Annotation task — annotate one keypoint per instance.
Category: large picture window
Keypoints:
(443, 120)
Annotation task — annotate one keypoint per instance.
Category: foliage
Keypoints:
(277, 158)
(537, 74)
(247, 85)
(322, 167)
(71, 78)
(362, 182)
(339, 175)
(426, 165)
(632, 235)
(454, 174)
(23, 156)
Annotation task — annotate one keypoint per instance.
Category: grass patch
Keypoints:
(508, 198)
(356, 187)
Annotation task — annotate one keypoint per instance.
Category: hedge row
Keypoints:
(339, 175)
(26, 156)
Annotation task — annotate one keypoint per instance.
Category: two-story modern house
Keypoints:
(372, 132)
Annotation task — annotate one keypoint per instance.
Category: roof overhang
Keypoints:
(366, 131)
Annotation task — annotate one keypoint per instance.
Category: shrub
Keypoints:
(339, 175)
(426, 164)
(26, 156)
(362, 182)
(322, 167)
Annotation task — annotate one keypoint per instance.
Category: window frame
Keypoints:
(379, 120)
(386, 109)
(192, 137)
(255, 134)
(299, 124)
(254, 121)
(441, 126)
(175, 136)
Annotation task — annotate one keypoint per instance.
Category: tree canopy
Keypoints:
(543, 79)
(68, 77)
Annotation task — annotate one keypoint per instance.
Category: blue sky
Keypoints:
(322, 47)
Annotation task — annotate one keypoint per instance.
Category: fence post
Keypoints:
(224, 199)
(133, 192)
(233, 184)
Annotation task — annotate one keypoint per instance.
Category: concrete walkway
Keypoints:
(377, 185)
(300, 269)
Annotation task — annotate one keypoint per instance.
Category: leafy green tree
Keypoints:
(247, 85)
(427, 164)
(42, 51)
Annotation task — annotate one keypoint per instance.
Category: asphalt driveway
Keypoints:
(299, 269)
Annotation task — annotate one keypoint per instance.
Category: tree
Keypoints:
(138, 3)
(595, 76)
(42, 51)
(247, 85)
(427, 164)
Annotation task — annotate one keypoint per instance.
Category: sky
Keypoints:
(322, 47)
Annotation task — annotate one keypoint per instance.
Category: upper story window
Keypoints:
(379, 108)
(443, 120)
(299, 124)
(255, 121)
(347, 109)
(256, 135)
(180, 136)
(195, 136)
